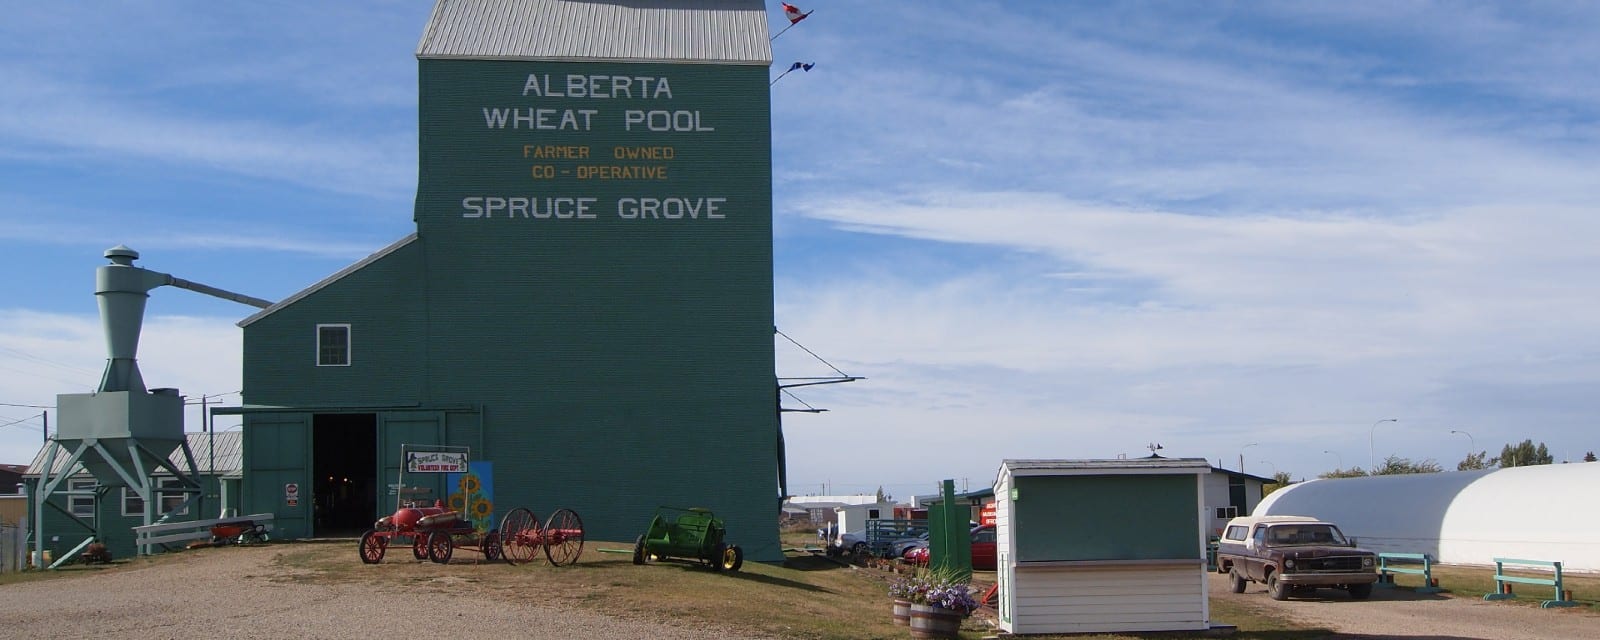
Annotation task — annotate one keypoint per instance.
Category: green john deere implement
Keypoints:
(693, 533)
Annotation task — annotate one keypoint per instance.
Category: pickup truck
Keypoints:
(1294, 553)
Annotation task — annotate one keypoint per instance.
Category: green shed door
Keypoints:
(277, 478)
(412, 429)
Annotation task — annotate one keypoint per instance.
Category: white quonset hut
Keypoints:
(1466, 517)
(1096, 546)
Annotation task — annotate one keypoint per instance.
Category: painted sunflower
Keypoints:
(458, 502)
(469, 484)
(481, 508)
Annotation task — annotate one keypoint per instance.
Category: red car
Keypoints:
(983, 554)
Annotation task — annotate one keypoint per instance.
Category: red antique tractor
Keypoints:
(434, 533)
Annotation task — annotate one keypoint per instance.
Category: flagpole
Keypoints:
(780, 77)
(792, 23)
(791, 26)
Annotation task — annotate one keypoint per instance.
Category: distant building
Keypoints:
(11, 478)
(1229, 494)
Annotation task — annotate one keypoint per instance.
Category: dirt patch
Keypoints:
(1403, 613)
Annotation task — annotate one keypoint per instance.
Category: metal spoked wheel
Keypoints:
(563, 537)
(491, 546)
(419, 546)
(373, 546)
(520, 537)
(440, 547)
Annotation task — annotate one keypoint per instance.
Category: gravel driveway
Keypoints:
(240, 592)
(1400, 613)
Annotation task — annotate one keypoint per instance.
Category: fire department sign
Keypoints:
(436, 462)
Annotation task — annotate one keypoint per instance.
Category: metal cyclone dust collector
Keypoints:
(122, 433)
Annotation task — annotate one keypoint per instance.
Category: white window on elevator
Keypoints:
(333, 345)
(133, 505)
(81, 506)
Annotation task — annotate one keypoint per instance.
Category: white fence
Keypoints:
(148, 536)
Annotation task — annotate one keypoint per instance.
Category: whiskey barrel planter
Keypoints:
(902, 612)
(934, 622)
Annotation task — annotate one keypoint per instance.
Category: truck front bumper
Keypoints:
(1327, 579)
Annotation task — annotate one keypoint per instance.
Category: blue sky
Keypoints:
(1040, 230)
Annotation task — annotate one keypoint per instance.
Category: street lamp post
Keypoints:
(1274, 468)
(1372, 457)
(1241, 455)
(1339, 457)
(1472, 445)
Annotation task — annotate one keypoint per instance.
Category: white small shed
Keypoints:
(1102, 546)
(853, 518)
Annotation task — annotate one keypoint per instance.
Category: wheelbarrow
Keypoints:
(237, 532)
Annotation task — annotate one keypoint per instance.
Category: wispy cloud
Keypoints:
(46, 354)
(80, 122)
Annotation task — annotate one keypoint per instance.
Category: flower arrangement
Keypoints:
(955, 597)
(935, 589)
(901, 588)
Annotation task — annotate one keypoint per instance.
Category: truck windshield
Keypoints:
(1305, 534)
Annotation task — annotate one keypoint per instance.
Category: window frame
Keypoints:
(163, 498)
(168, 497)
(321, 350)
(73, 504)
(129, 496)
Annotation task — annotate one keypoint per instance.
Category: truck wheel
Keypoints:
(1276, 589)
(1360, 591)
(859, 551)
(1236, 581)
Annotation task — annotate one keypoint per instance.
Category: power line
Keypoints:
(23, 355)
(20, 420)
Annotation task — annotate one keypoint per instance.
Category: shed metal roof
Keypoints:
(1154, 464)
(704, 31)
(228, 461)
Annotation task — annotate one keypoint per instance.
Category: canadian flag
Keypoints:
(793, 13)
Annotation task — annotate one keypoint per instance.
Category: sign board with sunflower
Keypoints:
(472, 494)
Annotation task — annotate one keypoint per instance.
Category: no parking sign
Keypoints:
(291, 495)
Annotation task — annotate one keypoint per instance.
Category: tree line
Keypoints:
(1522, 454)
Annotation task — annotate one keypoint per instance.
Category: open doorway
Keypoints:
(344, 473)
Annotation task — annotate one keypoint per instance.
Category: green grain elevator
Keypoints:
(587, 299)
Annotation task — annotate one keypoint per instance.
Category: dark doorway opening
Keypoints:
(344, 469)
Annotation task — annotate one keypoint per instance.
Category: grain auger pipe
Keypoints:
(122, 289)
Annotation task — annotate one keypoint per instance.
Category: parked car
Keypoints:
(1294, 554)
(983, 550)
(898, 548)
(850, 543)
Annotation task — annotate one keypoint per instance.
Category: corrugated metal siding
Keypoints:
(607, 349)
(717, 31)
